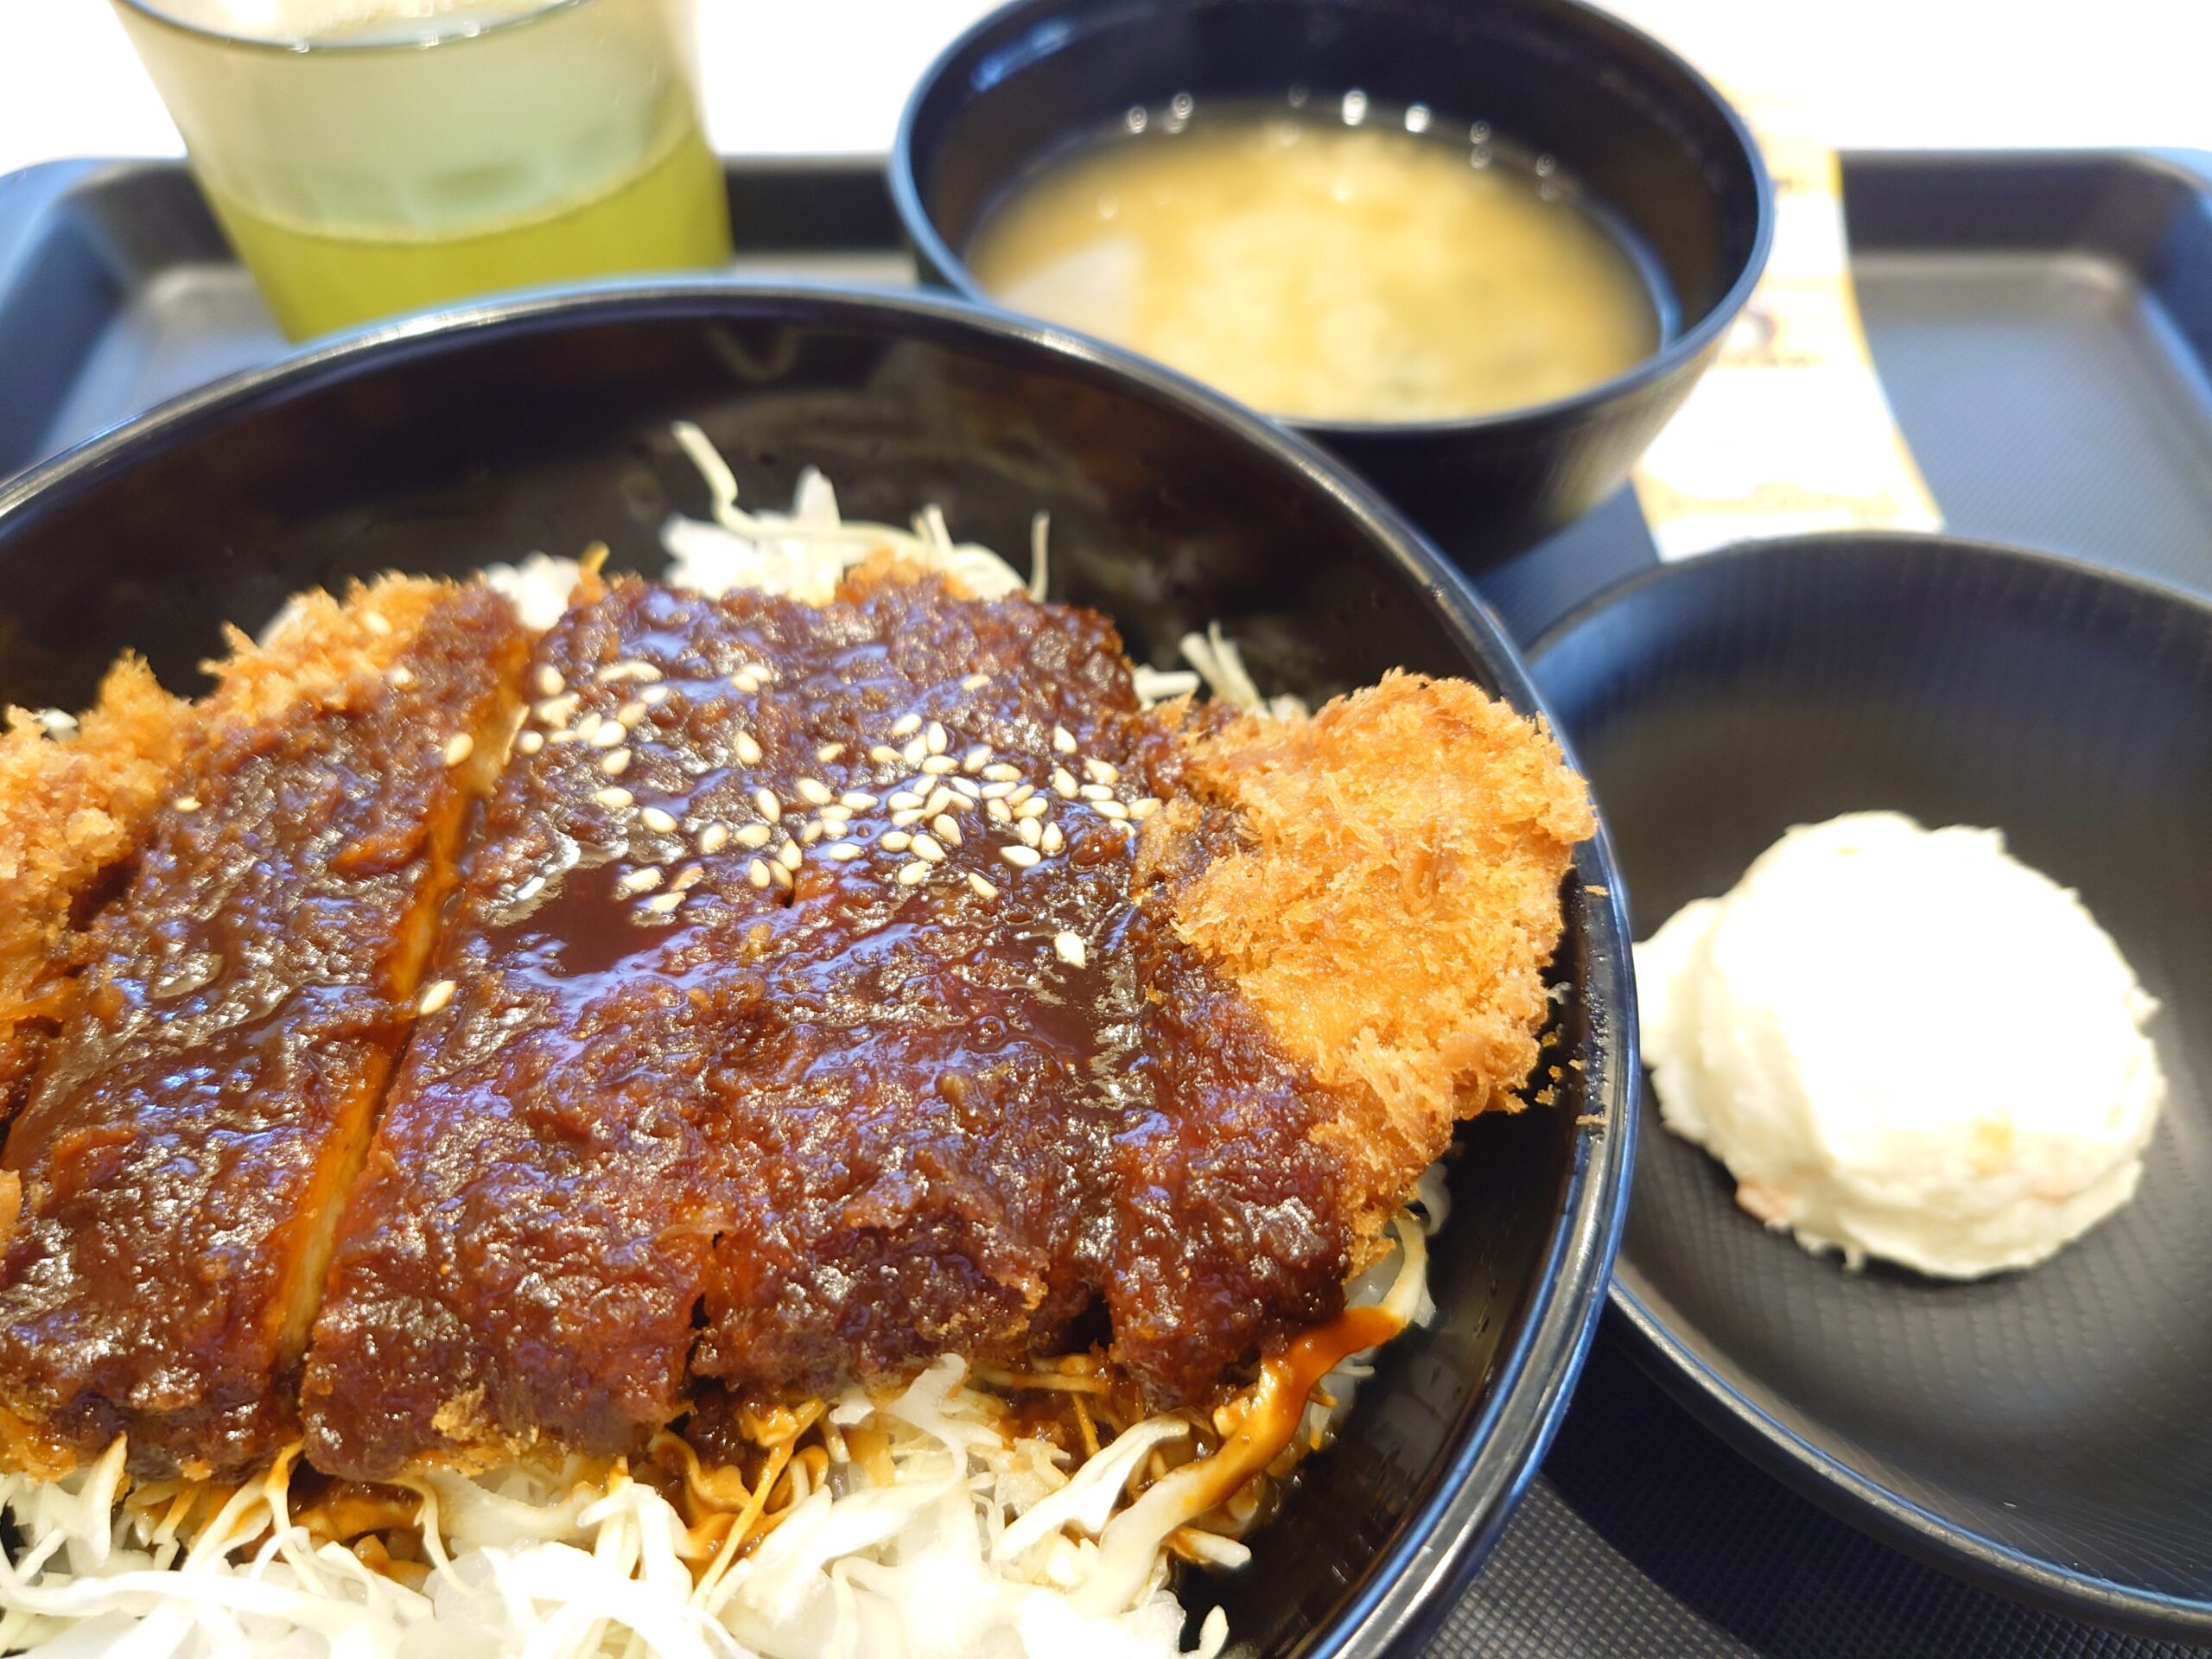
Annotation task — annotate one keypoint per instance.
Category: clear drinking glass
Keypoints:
(372, 157)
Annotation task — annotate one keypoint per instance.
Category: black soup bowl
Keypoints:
(544, 424)
(2044, 1431)
(1657, 149)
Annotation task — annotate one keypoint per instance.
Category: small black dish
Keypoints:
(443, 444)
(1644, 133)
(2048, 1433)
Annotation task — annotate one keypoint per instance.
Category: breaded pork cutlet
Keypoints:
(1366, 899)
(831, 989)
(198, 1115)
(73, 805)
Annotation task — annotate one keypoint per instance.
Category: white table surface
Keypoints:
(824, 76)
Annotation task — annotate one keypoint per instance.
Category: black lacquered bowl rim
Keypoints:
(1410, 1584)
(1672, 356)
(1691, 1369)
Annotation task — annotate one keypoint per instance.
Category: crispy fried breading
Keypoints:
(72, 808)
(1387, 895)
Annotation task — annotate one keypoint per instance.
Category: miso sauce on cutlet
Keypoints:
(1355, 265)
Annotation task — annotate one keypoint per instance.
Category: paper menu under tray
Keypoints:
(1789, 430)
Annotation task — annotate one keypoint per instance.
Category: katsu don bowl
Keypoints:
(964, 1008)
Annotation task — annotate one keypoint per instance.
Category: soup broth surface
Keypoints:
(1325, 270)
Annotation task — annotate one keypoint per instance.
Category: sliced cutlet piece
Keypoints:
(749, 1060)
(74, 802)
(189, 1138)
(1347, 919)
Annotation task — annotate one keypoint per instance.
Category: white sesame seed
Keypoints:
(983, 888)
(1068, 947)
(437, 996)
(614, 762)
(713, 837)
(746, 750)
(1063, 783)
(975, 682)
(549, 681)
(884, 755)
(781, 876)
(1021, 794)
(757, 873)
(842, 851)
(664, 904)
(1000, 813)
(1111, 810)
(1095, 792)
(1021, 858)
(897, 841)
(858, 799)
(659, 820)
(754, 835)
(905, 725)
(1035, 807)
(587, 727)
(687, 877)
(904, 799)
(631, 712)
(531, 742)
(976, 759)
(925, 846)
(769, 808)
(187, 803)
(747, 680)
(938, 765)
(813, 792)
(911, 814)
(1144, 808)
(653, 696)
(1102, 772)
(835, 812)
(947, 830)
(936, 739)
(1063, 740)
(400, 675)
(556, 710)
(459, 747)
(913, 876)
(809, 833)
(996, 792)
(965, 795)
(607, 734)
(629, 671)
(562, 736)
(829, 751)
(644, 879)
(1030, 831)
(999, 772)
(614, 795)
(916, 749)
(940, 799)
(376, 624)
(1054, 841)
(791, 855)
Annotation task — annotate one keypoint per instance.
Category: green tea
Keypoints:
(668, 214)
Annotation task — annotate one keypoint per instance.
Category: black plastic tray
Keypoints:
(2044, 325)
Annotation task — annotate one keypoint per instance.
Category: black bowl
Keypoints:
(543, 424)
(2049, 1431)
(1648, 137)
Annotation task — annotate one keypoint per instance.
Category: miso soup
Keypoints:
(1346, 267)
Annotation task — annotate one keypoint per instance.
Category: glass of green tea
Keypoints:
(368, 157)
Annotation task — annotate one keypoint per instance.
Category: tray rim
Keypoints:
(1685, 1370)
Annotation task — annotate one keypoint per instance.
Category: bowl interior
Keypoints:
(1648, 140)
(549, 428)
(2056, 1414)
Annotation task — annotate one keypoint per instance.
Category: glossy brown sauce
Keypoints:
(217, 1069)
(723, 1102)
